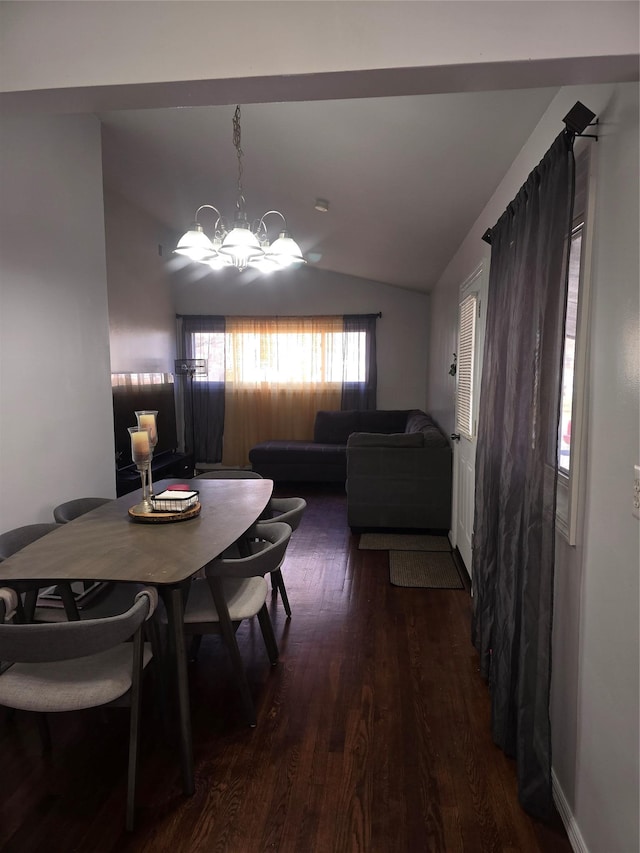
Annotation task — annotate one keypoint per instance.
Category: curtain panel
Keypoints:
(516, 467)
(203, 396)
(278, 372)
(360, 344)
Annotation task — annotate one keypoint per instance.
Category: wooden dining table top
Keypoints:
(106, 544)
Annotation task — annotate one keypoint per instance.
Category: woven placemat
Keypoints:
(427, 569)
(403, 542)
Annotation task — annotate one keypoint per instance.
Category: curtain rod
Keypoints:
(578, 119)
(275, 316)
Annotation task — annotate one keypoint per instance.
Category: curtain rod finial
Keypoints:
(487, 236)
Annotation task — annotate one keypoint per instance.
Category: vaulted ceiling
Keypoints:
(405, 176)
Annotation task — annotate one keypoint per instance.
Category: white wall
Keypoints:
(75, 43)
(595, 709)
(401, 331)
(141, 313)
(56, 424)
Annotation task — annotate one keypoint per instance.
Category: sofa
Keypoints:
(401, 480)
(324, 459)
(396, 465)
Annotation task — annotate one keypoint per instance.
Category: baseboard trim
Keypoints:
(573, 831)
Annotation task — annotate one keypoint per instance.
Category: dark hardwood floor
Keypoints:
(373, 733)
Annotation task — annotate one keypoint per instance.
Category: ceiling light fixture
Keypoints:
(244, 245)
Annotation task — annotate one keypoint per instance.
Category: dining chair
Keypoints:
(232, 590)
(69, 510)
(110, 598)
(288, 510)
(14, 540)
(70, 666)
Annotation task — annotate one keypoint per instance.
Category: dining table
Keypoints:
(109, 544)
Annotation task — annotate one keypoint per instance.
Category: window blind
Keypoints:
(466, 348)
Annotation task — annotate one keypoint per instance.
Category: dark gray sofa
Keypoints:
(401, 480)
(323, 460)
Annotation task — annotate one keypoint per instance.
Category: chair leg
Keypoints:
(134, 726)
(194, 647)
(45, 734)
(267, 633)
(229, 637)
(277, 582)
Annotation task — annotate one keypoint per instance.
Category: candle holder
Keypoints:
(147, 420)
(141, 455)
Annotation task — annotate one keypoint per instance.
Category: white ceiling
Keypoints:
(405, 176)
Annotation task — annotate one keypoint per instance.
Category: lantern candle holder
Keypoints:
(147, 421)
(141, 456)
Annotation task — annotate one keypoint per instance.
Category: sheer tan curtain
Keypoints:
(279, 371)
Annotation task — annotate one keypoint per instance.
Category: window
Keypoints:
(268, 376)
(575, 349)
(254, 354)
(568, 368)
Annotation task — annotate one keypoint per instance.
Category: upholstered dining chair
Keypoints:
(69, 666)
(69, 510)
(287, 510)
(14, 540)
(232, 590)
(111, 598)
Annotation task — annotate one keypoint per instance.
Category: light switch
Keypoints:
(636, 491)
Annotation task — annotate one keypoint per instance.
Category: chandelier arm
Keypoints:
(209, 207)
(264, 215)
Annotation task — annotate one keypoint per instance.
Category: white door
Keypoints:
(469, 357)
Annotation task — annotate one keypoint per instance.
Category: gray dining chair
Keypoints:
(69, 510)
(232, 590)
(69, 666)
(13, 541)
(288, 510)
(110, 598)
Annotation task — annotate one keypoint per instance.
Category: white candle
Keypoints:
(148, 422)
(140, 447)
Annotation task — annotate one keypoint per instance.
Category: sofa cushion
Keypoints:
(296, 452)
(373, 439)
(381, 420)
(334, 427)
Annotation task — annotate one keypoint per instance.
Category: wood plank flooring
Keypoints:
(373, 733)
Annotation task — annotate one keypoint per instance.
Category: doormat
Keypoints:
(403, 542)
(427, 569)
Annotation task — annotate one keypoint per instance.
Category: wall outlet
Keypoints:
(636, 491)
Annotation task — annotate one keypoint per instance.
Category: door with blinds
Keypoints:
(469, 355)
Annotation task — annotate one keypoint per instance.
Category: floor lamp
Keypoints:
(191, 367)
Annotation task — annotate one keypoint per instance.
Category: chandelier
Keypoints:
(244, 245)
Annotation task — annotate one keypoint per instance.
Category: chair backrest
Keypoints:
(51, 641)
(289, 510)
(79, 506)
(20, 537)
(274, 537)
(229, 474)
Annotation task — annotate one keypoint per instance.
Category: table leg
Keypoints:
(175, 610)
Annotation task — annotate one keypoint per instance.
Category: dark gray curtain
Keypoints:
(361, 395)
(203, 399)
(516, 467)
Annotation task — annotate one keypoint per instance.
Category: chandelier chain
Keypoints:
(237, 142)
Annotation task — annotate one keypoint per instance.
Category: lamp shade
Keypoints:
(195, 244)
(285, 251)
(241, 245)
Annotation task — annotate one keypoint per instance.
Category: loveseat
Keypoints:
(324, 459)
(401, 480)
